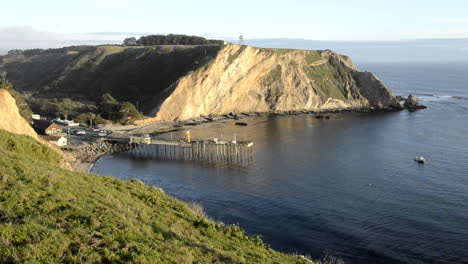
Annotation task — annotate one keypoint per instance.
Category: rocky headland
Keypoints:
(243, 79)
(174, 82)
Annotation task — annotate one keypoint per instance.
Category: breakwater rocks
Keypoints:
(102, 148)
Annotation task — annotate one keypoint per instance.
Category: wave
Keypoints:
(436, 97)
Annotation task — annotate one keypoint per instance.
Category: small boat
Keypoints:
(240, 124)
(420, 159)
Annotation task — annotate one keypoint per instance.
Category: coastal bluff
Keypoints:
(183, 82)
(243, 79)
(11, 120)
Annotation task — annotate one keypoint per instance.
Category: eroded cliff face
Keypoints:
(244, 79)
(11, 120)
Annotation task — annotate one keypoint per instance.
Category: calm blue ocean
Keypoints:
(347, 186)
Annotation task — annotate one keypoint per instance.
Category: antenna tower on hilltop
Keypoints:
(241, 40)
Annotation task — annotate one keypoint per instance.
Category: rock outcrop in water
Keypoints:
(244, 79)
(412, 104)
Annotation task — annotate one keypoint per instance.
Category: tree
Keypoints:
(23, 107)
(100, 121)
(91, 117)
(107, 106)
(130, 42)
(86, 118)
(173, 39)
(128, 113)
(82, 119)
(63, 107)
(3, 76)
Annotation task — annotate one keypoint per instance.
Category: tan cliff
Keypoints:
(242, 79)
(11, 120)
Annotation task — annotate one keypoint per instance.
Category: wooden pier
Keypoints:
(213, 151)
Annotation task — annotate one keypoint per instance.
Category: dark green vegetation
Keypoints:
(109, 108)
(275, 86)
(312, 56)
(140, 75)
(172, 39)
(52, 215)
(57, 107)
(23, 107)
(330, 79)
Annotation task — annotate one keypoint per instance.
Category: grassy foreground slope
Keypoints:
(52, 215)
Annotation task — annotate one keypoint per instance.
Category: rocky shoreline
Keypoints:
(84, 162)
(238, 116)
(150, 126)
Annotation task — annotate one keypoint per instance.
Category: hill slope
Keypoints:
(184, 82)
(130, 73)
(53, 215)
(247, 79)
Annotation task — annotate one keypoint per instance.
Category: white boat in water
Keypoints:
(420, 159)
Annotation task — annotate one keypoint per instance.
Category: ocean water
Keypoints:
(348, 186)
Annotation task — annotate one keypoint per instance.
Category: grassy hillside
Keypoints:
(52, 215)
(136, 74)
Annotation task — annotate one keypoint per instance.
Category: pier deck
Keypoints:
(204, 151)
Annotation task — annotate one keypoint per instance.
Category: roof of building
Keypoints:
(43, 124)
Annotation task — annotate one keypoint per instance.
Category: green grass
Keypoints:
(312, 56)
(53, 215)
(275, 86)
(277, 51)
(330, 80)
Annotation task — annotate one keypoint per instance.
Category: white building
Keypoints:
(57, 140)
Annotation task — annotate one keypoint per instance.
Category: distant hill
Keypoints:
(141, 75)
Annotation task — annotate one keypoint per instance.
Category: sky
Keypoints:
(364, 29)
(309, 19)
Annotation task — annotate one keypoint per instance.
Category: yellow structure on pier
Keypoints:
(188, 136)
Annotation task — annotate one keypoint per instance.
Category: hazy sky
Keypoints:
(310, 19)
